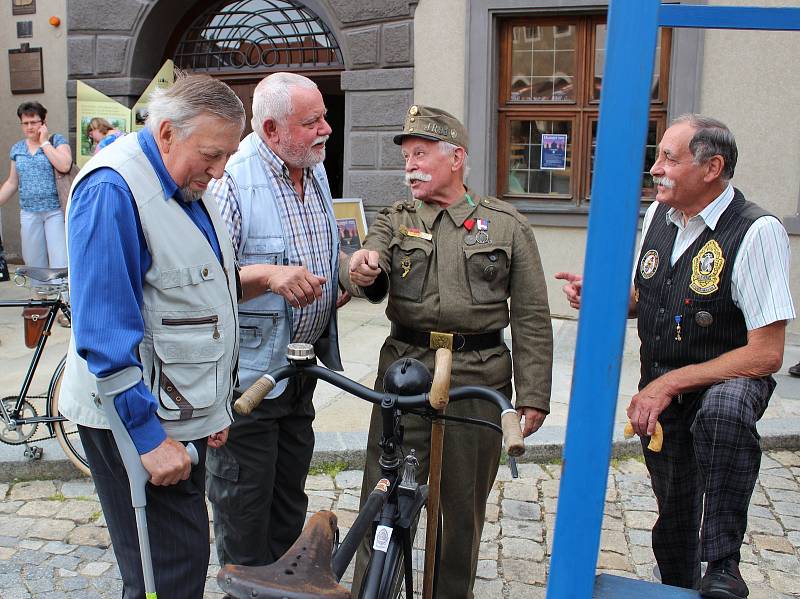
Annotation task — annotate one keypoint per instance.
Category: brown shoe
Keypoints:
(64, 321)
(795, 370)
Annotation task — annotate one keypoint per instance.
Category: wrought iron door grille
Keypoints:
(247, 34)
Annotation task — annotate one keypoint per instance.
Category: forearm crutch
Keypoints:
(108, 388)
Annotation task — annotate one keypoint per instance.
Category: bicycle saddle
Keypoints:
(41, 274)
(304, 572)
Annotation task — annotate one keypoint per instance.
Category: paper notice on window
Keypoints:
(554, 151)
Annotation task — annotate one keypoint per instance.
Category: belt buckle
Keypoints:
(441, 340)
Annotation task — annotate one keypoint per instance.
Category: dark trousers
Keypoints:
(256, 481)
(470, 458)
(706, 470)
(177, 522)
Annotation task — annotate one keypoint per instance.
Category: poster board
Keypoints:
(92, 103)
(351, 222)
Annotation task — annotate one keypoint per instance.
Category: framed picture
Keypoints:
(25, 70)
(352, 223)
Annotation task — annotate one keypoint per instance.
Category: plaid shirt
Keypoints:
(305, 226)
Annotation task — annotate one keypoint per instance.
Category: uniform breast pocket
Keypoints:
(488, 273)
(187, 369)
(262, 250)
(410, 259)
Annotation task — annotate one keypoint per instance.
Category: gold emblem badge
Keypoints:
(405, 264)
(413, 110)
(649, 264)
(706, 268)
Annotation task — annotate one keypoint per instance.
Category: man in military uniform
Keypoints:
(711, 294)
(452, 260)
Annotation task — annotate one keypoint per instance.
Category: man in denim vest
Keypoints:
(276, 202)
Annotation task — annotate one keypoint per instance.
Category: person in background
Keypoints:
(33, 159)
(102, 133)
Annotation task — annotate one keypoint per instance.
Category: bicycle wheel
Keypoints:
(418, 531)
(66, 431)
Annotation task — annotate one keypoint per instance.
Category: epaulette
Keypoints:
(402, 205)
(501, 206)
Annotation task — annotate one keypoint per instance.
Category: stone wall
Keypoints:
(117, 48)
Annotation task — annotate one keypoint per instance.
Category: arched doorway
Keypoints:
(241, 41)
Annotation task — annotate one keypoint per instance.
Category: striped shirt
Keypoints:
(760, 276)
(306, 228)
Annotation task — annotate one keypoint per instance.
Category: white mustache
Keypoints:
(321, 140)
(417, 176)
(664, 182)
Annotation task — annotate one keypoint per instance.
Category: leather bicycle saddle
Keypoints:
(304, 572)
(41, 274)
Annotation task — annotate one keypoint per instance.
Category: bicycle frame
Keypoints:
(54, 305)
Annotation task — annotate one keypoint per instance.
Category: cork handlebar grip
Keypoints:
(254, 395)
(440, 389)
(512, 433)
(656, 441)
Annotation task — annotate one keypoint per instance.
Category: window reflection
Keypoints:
(526, 176)
(600, 31)
(648, 189)
(543, 63)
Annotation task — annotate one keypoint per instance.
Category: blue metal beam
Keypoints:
(729, 17)
(616, 191)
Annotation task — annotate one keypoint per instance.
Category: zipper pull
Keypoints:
(215, 334)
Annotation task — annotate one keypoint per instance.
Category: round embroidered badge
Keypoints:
(649, 264)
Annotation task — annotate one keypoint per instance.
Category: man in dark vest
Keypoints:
(711, 293)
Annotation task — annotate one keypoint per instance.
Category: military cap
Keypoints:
(434, 124)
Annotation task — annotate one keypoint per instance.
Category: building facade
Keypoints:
(522, 74)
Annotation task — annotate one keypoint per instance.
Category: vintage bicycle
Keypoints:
(19, 415)
(398, 510)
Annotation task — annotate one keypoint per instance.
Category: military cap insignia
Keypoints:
(706, 268)
(649, 264)
(413, 110)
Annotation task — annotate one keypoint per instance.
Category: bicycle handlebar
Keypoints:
(509, 420)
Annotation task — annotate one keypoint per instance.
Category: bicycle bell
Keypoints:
(300, 352)
(407, 376)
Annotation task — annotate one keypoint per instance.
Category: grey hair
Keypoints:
(190, 97)
(445, 147)
(272, 98)
(711, 138)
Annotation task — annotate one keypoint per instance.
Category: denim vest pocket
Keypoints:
(188, 369)
(262, 250)
(257, 334)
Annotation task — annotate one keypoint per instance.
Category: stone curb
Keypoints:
(547, 445)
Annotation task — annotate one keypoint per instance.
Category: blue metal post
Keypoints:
(616, 192)
(729, 17)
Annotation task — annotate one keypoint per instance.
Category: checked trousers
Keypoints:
(705, 474)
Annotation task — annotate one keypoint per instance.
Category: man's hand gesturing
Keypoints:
(297, 285)
(364, 267)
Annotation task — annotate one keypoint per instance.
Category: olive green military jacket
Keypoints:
(454, 270)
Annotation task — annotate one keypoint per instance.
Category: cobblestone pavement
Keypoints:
(54, 544)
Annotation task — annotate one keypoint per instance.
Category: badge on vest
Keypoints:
(649, 264)
(706, 268)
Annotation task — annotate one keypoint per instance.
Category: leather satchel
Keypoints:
(35, 319)
(64, 183)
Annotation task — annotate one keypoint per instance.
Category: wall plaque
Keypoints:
(23, 7)
(25, 70)
(24, 28)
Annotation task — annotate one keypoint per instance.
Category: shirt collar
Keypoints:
(459, 210)
(710, 215)
(148, 144)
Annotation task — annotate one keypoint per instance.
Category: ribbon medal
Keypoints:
(483, 224)
(678, 319)
(414, 232)
(469, 224)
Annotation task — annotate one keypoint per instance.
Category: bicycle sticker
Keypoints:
(382, 536)
(383, 485)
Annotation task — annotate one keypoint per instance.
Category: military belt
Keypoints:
(452, 341)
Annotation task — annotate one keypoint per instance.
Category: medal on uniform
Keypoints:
(414, 232)
(482, 237)
(706, 268)
(703, 318)
(405, 264)
(678, 319)
(469, 239)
